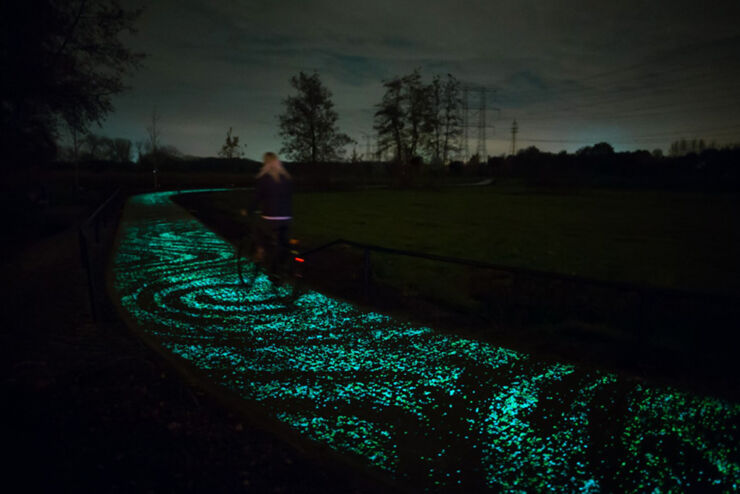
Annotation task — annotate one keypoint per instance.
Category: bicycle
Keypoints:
(266, 263)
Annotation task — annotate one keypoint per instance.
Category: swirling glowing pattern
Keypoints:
(434, 410)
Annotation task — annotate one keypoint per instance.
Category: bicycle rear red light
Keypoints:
(300, 259)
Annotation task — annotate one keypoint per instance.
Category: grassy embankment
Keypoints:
(666, 239)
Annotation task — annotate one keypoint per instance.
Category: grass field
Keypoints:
(667, 239)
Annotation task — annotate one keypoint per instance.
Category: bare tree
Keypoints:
(231, 148)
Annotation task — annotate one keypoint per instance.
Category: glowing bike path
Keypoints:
(433, 410)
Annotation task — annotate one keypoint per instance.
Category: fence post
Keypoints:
(87, 263)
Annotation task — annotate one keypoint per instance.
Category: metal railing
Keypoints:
(95, 238)
(634, 304)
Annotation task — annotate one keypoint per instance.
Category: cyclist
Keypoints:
(273, 203)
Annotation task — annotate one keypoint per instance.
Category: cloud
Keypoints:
(229, 63)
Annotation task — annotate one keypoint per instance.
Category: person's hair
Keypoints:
(271, 166)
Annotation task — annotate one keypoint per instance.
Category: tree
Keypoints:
(122, 150)
(231, 148)
(682, 147)
(451, 119)
(598, 149)
(390, 120)
(93, 146)
(445, 121)
(602, 149)
(308, 126)
(434, 142)
(65, 64)
(533, 152)
(420, 113)
(413, 118)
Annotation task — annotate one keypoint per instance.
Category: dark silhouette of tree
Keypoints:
(405, 117)
(122, 149)
(231, 148)
(61, 63)
(413, 117)
(450, 119)
(531, 151)
(419, 112)
(682, 147)
(308, 126)
(434, 140)
(390, 120)
(599, 149)
(602, 149)
(93, 147)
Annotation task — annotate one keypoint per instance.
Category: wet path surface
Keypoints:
(430, 409)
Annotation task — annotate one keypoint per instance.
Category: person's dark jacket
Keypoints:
(274, 198)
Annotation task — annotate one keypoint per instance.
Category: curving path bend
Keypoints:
(433, 410)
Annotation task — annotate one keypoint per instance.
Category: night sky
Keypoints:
(636, 74)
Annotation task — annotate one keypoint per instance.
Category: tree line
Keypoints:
(421, 120)
(710, 168)
(93, 147)
(414, 120)
(67, 63)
